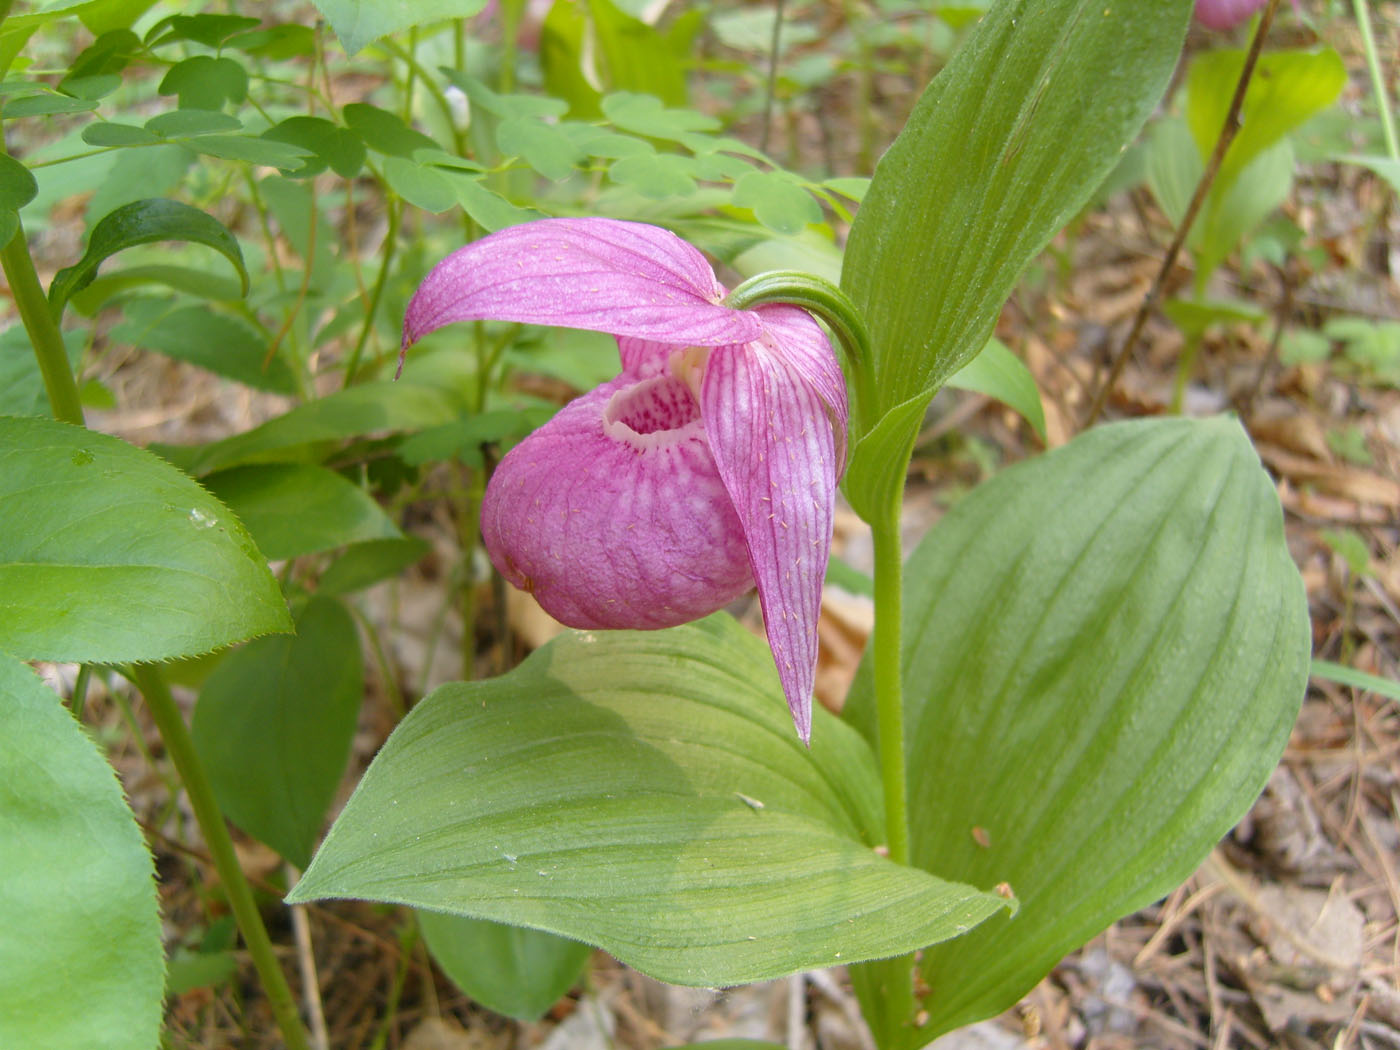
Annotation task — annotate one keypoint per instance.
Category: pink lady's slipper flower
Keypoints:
(708, 466)
(1225, 14)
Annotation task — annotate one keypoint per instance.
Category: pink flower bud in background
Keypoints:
(1226, 14)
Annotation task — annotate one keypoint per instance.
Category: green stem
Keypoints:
(42, 327)
(828, 302)
(386, 253)
(889, 685)
(180, 746)
(1373, 63)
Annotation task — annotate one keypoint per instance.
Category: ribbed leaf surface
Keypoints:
(643, 792)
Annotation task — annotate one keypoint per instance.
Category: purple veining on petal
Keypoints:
(609, 528)
(605, 275)
(794, 336)
(773, 444)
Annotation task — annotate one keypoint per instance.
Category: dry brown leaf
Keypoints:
(1349, 483)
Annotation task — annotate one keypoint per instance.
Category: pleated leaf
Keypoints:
(1004, 147)
(643, 792)
(1105, 649)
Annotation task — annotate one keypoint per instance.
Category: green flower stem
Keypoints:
(1373, 63)
(180, 746)
(889, 685)
(42, 327)
(822, 298)
(390, 246)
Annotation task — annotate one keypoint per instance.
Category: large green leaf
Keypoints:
(1104, 651)
(143, 222)
(643, 792)
(222, 343)
(108, 554)
(293, 509)
(80, 956)
(1004, 147)
(513, 970)
(274, 723)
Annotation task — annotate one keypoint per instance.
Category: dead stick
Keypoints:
(1217, 156)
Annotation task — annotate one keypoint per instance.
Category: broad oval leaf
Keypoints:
(109, 554)
(513, 970)
(142, 222)
(1104, 651)
(1004, 147)
(274, 723)
(78, 918)
(360, 22)
(642, 792)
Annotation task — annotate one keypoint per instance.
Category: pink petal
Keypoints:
(626, 278)
(1225, 14)
(793, 335)
(612, 528)
(773, 444)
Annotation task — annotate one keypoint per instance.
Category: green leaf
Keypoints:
(1386, 168)
(512, 970)
(647, 115)
(1194, 316)
(211, 30)
(293, 509)
(488, 208)
(225, 345)
(1104, 651)
(1003, 149)
(78, 918)
(359, 22)
(187, 123)
(274, 723)
(999, 373)
(542, 146)
(295, 207)
(656, 176)
(1173, 166)
(335, 147)
(268, 153)
(643, 792)
(17, 188)
(462, 440)
(879, 461)
(186, 279)
(21, 384)
(1287, 88)
(1235, 208)
(110, 555)
(46, 104)
(777, 200)
(206, 82)
(366, 408)
(384, 132)
(426, 188)
(1344, 675)
(139, 175)
(143, 222)
(365, 564)
(104, 133)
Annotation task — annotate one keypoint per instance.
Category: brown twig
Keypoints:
(1217, 156)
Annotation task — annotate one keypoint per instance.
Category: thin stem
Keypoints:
(1373, 63)
(391, 239)
(889, 686)
(42, 326)
(180, 746)
(772, 91)
(1217, 156)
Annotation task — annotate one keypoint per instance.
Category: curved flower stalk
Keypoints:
(708, 466)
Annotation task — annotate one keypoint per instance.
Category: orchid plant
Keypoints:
(1076, 683)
